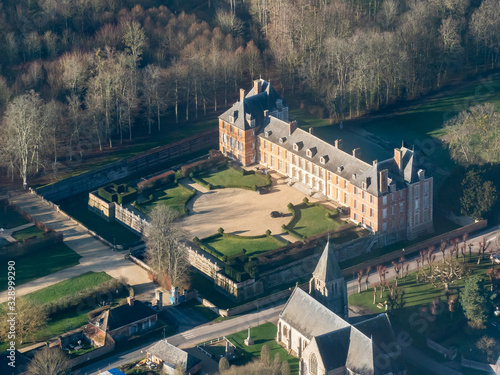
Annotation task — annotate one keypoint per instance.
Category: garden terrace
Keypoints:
(117, 193)
(174, 196)
(28, 233)
(227, 177)
(225, 246)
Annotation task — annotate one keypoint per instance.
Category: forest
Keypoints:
(80, 75)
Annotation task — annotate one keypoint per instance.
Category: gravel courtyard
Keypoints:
(241, 211)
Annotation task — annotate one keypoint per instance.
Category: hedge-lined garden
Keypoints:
(173, 195)
(309, 219)
(238, 252)
(121, 194)
(231, 177)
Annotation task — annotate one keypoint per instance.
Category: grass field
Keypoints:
(10, 219)
(417, 294)
(263, 334)
(230, 177)
(312, 219)
(68, 287)
(233, 245)
(27, 233)
(41, 263)
(113, 232)
(174, 197)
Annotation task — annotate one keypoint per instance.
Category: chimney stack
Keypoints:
(356, 152)
(398, 157)
(375, 162)
(338, 143)
(382, 179)
(292, 126)
(130, 301)
(242, 94)
(311, 130)
(257, 85)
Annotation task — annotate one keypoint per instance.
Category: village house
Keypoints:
(171, 358)
(392, 198)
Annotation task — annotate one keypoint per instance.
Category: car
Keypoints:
(276, 214)
(496, 325)
(496, 309)
(495, 258)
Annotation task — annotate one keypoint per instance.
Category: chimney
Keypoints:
(266, 113)
(310, 130)
(338, 143)
(130, 301)
(398, 157)
(242, 94)
(257, 85)
(382, 180)
(356, 152)
(421, 174)
(159, 300)
(375, 162)
(292, 126)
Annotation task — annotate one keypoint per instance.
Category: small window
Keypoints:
(384, 213)
(371, 212)
(268, 133)
(384, 199)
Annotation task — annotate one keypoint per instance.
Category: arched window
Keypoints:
(285, 331)
(313, 364)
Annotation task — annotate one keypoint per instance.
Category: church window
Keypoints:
(313, 364)
(285, 331)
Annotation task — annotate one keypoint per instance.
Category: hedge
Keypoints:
(216, 158)
(117, 193)
(158, 180)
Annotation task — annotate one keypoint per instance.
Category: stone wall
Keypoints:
(130, 219)
(145, 161)
(102, 207)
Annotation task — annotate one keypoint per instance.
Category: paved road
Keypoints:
(188, 339)
(95, 255)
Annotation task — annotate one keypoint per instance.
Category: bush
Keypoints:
(155, 181)
(268, 232)
(305, 200)
(251, 268)
(290, 205)
(220, 230)
(233, 274)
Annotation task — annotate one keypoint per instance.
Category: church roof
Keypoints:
(328, 267)
(303, 312)
(333, 342)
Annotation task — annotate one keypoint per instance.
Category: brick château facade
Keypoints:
(392, 198)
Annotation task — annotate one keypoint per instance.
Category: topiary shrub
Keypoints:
(305, 200)
(290, 205)
(268, 232)
(220, 230)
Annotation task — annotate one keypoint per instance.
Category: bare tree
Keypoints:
(165, 252)
(30, 317)
(49, 362)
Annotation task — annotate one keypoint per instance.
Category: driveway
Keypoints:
(240, 211)
(95, 255)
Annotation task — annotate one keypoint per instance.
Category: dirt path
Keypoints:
(95, 255)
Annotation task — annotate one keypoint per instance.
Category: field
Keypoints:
(263, 334)
(66, 321)
(41, 263)
(233, 245)
(10, 219)
(230, 177)
(27, 233)
(174, 197)
(113, 232)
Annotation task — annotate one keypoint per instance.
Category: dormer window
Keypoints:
(340, 169)
(354, 176)
(282, 140)
(311, 152)
(268, 133)
(250, 119)
(363, 185)
(298, 145)
(324, 159)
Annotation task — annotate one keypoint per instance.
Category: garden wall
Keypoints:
(147, 160)
(130, 219)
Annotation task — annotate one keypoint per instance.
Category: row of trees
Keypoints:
(354, 59)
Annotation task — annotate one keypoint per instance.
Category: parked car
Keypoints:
(276, 214)
(496, 309)
(496, 325)
(495, 258)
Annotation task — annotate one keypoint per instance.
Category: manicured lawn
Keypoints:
(234, 245)
(68, 287)
(41, 263)
(417, 294)
(10, 219)
(77, 207)
(27, 233)
(174, 197)
(230, 177)
(263, 334)
(312, 219)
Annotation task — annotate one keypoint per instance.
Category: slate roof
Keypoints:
(328, 267)
(333, 342)
(303, 312)
(253, 105)
(125, 314)
(172, 355)
(338, 161)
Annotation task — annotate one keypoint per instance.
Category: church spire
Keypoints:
(328, 268)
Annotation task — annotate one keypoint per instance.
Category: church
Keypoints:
(312, 327)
